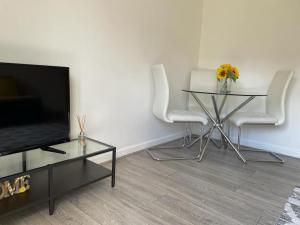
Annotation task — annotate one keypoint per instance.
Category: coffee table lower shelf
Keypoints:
(65, 178)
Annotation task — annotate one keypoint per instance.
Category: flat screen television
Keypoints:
(34, 106)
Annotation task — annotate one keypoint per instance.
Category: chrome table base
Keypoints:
(218, 122)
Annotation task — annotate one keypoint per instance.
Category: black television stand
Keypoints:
(49, 149)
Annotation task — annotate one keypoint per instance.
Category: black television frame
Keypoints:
(43, 147)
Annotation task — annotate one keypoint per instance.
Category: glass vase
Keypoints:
(224, 86)
(81, 139)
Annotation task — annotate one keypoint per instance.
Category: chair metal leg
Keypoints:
(184, 144)
(187, 143)
(157, 158)
(194, 142)
(239, 137)
(190, 134)
(228, 129)
(277, 159)
(200, 146)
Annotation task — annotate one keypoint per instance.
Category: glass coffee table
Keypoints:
(50, 172)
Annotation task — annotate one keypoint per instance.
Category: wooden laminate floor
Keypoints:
(219, 190)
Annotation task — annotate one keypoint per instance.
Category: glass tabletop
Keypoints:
(37, 158)
(250, 93)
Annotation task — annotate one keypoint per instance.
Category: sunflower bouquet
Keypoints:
(225, 74)
(227, 71)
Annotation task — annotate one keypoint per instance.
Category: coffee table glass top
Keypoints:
(37, 158)
(254, 93)
(76, 148)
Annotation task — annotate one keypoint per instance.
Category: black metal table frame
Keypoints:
(84, 157)
(51, 197)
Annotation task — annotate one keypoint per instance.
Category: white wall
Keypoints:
(260, 37)
(109, 47)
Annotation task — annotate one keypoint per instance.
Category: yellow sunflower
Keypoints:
(222, 73)
(226, 66)
(235, 71)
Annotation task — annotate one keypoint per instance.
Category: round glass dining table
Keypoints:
(217, 123)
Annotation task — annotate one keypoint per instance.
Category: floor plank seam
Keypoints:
(259, 219)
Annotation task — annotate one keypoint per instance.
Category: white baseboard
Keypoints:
(293, 152)
(280, 149)
(138, 147)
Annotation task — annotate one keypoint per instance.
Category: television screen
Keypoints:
(34, 106)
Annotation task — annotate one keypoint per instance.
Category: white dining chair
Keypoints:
(160, 110)
(275, 110)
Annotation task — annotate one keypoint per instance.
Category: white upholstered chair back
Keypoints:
(161, 92)
(202, 79)
(275, 103)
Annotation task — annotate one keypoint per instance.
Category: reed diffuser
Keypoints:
(81, 123)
